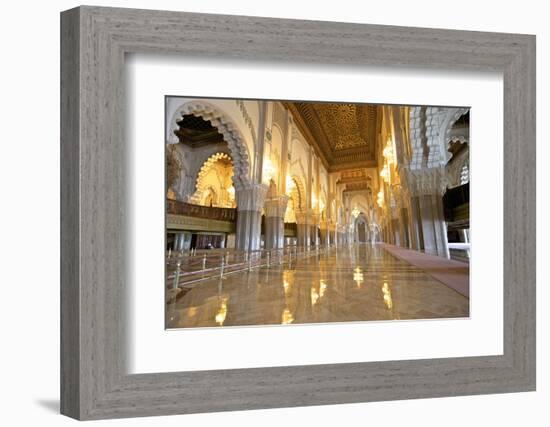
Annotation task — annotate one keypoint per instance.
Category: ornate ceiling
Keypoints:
(345, 134)
(197, 132)
(355, 179)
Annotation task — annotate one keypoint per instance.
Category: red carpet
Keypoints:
(454, 274)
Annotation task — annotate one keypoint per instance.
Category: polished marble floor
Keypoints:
(357, 283)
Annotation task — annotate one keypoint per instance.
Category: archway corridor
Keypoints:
(293, 212)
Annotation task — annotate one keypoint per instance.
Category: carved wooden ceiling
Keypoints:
(355, 179)
(344, 134)
(197, 132)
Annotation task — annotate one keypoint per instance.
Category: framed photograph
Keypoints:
(262, 213)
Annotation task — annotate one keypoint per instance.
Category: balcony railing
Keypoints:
(176, 207)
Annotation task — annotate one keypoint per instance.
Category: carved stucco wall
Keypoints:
(214, 181)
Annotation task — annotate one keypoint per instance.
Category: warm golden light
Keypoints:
(286, 287)
(380, 198)
(231, 191)
(355, 212)
(358, 276)
(322, 288)
(387, 296)
(389, 152)
(313, 201)
(385, 173)
(287, 317)
(290, 184)
(222, 312)
(321, 205)
(268, 170)
(314, 296)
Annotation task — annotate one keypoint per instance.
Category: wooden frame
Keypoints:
(93, 380)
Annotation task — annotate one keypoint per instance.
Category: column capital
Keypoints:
(423, 182)
(251, 197)
(276, 206)
(301, 217)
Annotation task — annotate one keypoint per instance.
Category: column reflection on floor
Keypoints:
(355, 283)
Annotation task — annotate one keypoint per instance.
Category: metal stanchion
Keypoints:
(176, 275)
(204, 262)
(222, 267)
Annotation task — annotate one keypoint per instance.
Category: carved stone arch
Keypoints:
(231, 134)
(204, 157)
(277, 126)
(299, 198)
(446, 126)
(201, 187)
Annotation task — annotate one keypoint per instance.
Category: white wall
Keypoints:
(30, 239)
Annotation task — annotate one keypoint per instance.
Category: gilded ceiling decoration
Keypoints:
(355, 179)
(345, 134)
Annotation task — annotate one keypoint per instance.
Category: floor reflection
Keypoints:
(359, 283)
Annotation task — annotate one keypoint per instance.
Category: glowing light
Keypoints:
(314, 296)
(231, 191)
(355, 212)
(385, 173)
(268, 170)
(380, 198)
(290, 184)
(313, 201)
(222, 312)
(321, 205)
(286, 286)
(322, 288)
(358, 276)
(387, 296)
(287, 317)
(389, 152)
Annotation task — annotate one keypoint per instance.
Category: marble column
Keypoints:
(404, 226)
(325, 235)
(275, 208)
(250, 200)
(426, 188)
(434, 229)
(314, 226)
(302, 229)
(417, 240)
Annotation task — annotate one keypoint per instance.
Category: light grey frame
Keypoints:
(94, 383)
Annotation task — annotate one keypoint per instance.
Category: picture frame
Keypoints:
(94, 382)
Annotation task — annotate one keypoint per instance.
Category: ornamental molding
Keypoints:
(276, 206)
(454, 168)
(430, 132)
(202, 186)
(416, 131)
(251, 197)
(244, 112)
(452, 117)
(231, 134)
(425, 181)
